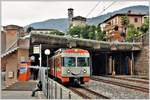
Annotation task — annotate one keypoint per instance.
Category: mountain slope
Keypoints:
(62, 23)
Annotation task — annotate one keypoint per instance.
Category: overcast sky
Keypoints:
(26, 12)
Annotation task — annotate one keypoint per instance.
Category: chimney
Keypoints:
(129, 11)
(70, 15)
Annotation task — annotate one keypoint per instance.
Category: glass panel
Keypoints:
(82, 61)
(69, 62)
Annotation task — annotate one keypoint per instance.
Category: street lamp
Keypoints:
(47, 53)
(32, 58)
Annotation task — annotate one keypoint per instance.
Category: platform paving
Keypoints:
(22, 86)
(18, 95)
(20, 90)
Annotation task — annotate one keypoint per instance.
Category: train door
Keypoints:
(57, 66)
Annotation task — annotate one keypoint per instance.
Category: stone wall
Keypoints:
(142, 59)
(3, 63)
(11, 69)
(23, 55)
(11, 60)
(11, 37)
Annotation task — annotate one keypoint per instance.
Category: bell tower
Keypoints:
(70, 15)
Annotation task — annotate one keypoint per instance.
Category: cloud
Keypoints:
(26, 12)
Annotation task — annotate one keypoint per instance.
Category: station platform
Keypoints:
(22, 86)
(21, 90)
(17, 95)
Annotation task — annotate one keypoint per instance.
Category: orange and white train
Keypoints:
(71, 65)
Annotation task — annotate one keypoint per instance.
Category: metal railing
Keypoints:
(54, 90)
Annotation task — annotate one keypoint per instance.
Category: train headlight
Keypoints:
(84, 71)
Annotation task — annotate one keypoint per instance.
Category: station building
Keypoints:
(14, 50)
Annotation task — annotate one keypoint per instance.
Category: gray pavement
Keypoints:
(22, 86)
(18, 95)
(19, 90)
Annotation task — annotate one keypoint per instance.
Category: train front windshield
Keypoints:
(82, 61)
(71, 61)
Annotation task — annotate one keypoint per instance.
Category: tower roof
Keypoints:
(79, 18)
(70, 8)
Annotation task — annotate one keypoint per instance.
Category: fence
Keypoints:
(54, 90)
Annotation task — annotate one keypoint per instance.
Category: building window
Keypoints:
(109, 23)
(115, 20)
(135, 20)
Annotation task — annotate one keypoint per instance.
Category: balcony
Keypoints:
(108, 27)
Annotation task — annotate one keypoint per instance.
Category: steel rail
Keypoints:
(95, 93)
(146, 90)
(79, 93)
(85, 96)
(131, 80)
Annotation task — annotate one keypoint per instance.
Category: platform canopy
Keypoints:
(55, 41)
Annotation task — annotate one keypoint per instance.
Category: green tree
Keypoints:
(75, 31)
(100, 35)
(145, 27)
(56, 32)
(29, 29)
(125, 22)
(92, 32)
(132, 33)
(87, 32)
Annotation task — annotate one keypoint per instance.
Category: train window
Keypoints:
(82, 61)
(69, 61)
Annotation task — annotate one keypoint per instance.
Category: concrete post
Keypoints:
(113, 72)
(55, 91)
(106, 66)
(60, 93)
(132, 63)
(110, 65)
(11, 69)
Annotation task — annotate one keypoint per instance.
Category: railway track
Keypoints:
(87, 93)
(127, 79)
(138, 88)
(141, 78)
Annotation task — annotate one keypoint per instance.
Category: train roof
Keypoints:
(73, 50)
